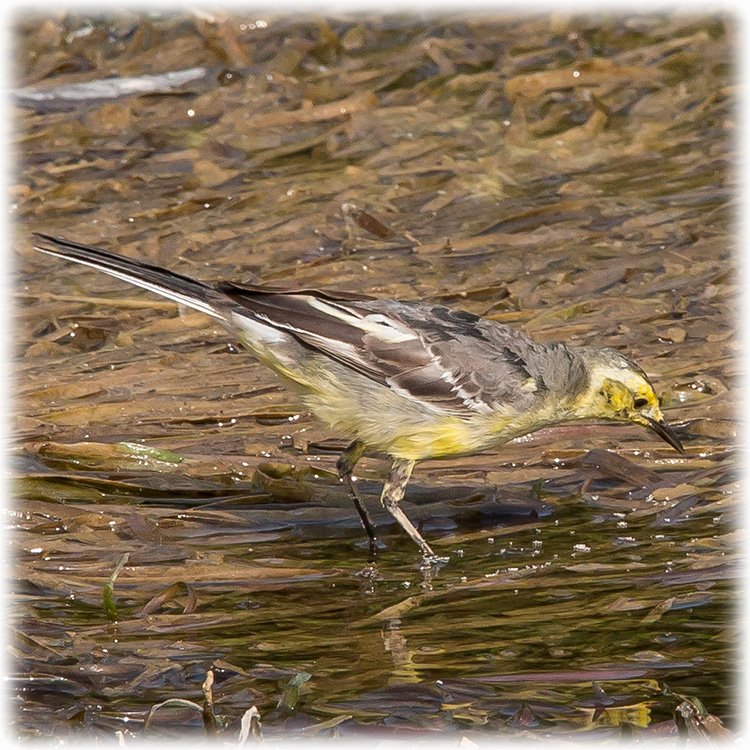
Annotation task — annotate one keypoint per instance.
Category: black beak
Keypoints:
(665, 432)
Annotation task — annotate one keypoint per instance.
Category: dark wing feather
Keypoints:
(477, 365)
(251, 290)
(450, 359)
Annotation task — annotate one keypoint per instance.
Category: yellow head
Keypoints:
(619, 390)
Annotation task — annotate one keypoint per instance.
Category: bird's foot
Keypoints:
(369, 576)
(429, 568)
(432, 562)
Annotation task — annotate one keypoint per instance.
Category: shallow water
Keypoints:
(571, 175)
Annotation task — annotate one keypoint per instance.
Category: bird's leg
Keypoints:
(345, 467)
(393, 492)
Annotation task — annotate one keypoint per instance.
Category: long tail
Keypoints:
(168, 284)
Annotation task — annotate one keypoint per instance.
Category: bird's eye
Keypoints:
(639, 403)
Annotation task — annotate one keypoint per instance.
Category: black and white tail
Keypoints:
(167, 283)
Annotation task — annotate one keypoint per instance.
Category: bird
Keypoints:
(408, 379)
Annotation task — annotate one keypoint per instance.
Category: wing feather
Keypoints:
(450, 360)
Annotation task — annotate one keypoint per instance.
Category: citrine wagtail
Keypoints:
(408, 379)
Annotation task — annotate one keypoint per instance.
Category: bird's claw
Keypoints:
(432, 562)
